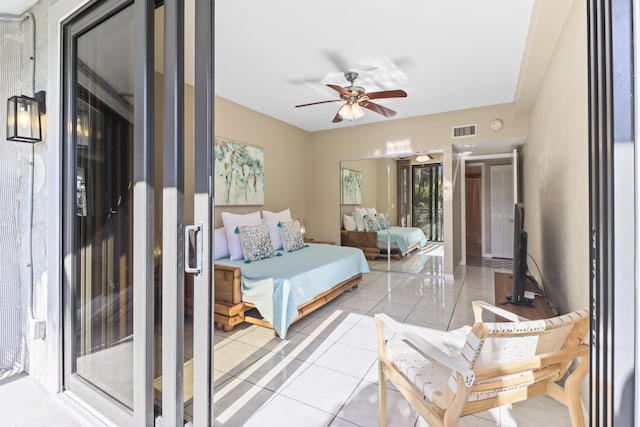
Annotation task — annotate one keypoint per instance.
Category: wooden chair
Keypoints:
(447, 375)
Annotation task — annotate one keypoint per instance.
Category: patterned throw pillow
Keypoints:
(291, 236)
(371, 223)
(255, 242)
(382, 220)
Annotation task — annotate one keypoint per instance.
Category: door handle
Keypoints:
(197, 233)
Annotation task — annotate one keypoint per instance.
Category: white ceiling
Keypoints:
(447, 55)
(15, 7)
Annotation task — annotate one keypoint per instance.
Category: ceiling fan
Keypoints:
(355, 99)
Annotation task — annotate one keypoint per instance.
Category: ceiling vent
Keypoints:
(464, 131)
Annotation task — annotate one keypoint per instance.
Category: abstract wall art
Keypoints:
(239, 173)
(351, 187)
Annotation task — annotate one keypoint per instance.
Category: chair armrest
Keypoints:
(479, 306)
(428, 350)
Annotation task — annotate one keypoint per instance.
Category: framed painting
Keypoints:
(238, 173)
(351, 187)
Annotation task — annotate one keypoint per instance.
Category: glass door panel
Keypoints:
(103, 224)
(427, 199)
(107, 218)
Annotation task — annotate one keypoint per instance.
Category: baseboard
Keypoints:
(449, 277)
(487, 256)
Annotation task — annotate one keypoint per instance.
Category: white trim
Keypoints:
(490, 156)
(636, 305)
(514, 162)
(463, 196)
(463, 212)
(449, 277)
(57, 13)
(483, 207)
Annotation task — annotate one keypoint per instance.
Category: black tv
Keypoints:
(519, 258)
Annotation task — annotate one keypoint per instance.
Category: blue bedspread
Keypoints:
(278, 285)
(404, 237)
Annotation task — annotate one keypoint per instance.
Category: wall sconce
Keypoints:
(23, 118)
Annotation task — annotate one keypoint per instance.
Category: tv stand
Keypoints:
(527, 302)
(538, 309)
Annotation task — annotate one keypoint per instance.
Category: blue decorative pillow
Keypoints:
(382, 220)
(371, 223)
(291, 236)
(255, 242)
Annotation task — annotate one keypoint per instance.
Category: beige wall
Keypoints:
(369, 170)
(555, 170)
(188, 153)
(383, 180)
(393, 195)
(302, 170)
(419, 134)
(286, 158)
(456, 214)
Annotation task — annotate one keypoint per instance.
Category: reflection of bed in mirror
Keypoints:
(398, 241)
(387, 184)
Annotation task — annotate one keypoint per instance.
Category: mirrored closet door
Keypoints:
(391, 207)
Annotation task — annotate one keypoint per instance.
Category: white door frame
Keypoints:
(463, 216)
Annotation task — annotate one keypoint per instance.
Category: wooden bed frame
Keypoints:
(230, 310)
(367, 241)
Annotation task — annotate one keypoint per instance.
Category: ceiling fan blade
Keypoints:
(399, 93)
(337, 118)
(319, 102)
(340, 89)
(377, 108)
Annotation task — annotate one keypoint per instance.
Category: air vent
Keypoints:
(464, 131)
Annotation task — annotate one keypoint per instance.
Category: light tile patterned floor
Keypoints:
(324, 373)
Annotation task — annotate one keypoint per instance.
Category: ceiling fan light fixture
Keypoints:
(423, 158)
(351, 111)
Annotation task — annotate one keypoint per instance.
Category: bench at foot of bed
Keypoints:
(230, 310)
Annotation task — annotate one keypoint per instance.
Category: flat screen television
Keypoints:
(519, 258)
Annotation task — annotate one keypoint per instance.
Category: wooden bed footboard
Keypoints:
(367, 241)
(230, 310)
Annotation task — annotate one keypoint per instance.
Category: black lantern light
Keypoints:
(23, 119)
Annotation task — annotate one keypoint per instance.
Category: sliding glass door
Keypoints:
(99, 209)
(427, 200)
(126, 253)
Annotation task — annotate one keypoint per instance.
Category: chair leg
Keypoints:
(382, 395)
(452, 414)
(572, 392)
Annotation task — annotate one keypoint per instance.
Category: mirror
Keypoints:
(404, 193)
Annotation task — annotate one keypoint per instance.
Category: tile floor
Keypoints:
(324, 372)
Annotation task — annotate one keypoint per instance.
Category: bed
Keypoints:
(276, 291)
(402, 241)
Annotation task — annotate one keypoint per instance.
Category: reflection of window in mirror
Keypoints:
(388, 185)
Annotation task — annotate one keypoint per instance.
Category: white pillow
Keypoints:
(372, 212)
(220, 247)
(359, 214)
(349, 222)
(231, 222)
(272, 219)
